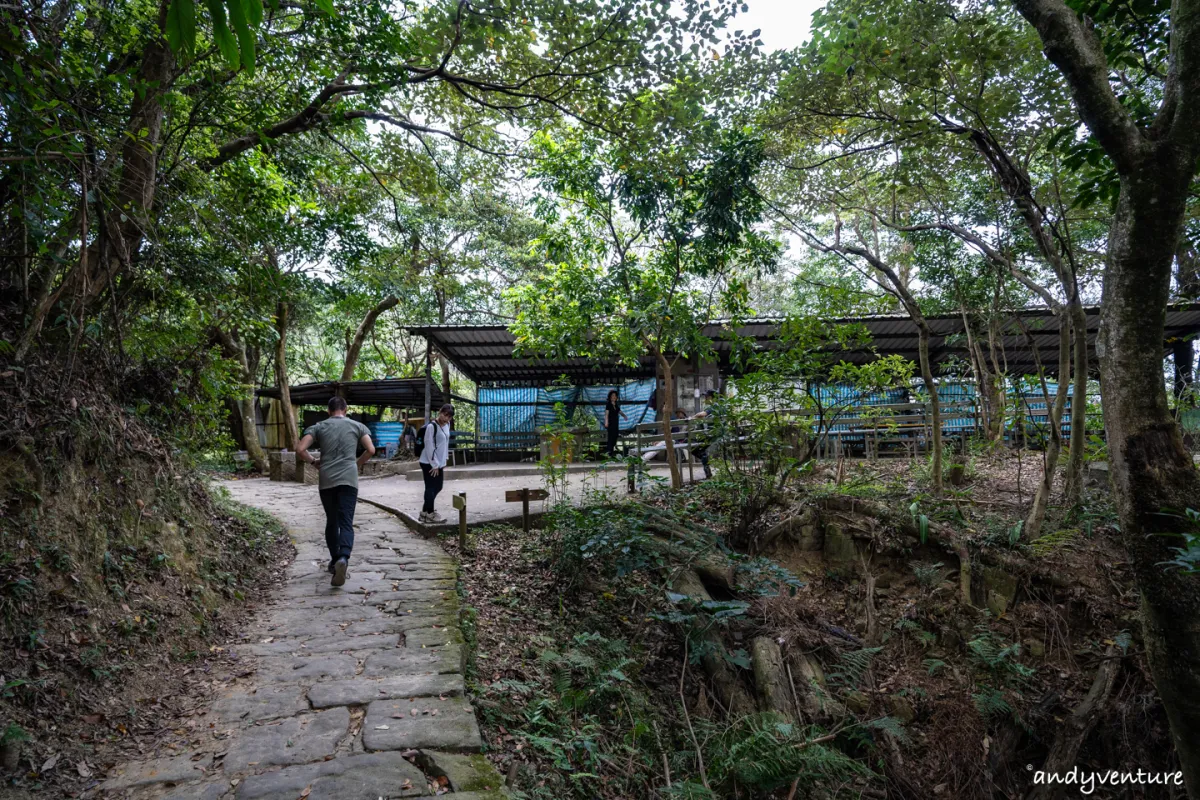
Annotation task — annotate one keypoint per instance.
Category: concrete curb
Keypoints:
(432, 531)
(458, 473)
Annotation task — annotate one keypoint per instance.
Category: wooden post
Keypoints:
(523, 496)
(637, 451)
(460, 502)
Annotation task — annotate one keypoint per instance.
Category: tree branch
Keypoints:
(1077, 53)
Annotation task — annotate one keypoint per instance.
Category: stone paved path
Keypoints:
(355, 693)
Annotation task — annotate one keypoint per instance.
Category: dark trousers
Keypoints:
(339, 504)
(702, 454)
(433, 485)
(613, 432)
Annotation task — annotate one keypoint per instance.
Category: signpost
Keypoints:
(460, 502)
(523, 496)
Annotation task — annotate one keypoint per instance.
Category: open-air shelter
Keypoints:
(517, 389)
(404, 394)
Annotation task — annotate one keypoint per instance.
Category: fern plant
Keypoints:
(991, 703)
(852, 666)
(928, 574)
(759, 753)
(989, 652)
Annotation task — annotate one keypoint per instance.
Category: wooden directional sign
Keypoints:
(460, 500)
(517, 495)
(523, 496)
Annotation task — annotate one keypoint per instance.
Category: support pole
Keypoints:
(691, 455)
(525, 509)
(428, 380)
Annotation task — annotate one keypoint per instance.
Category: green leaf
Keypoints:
(245, 36)
(222, 34)
(254, 12)
(181, 26)
(326, 6)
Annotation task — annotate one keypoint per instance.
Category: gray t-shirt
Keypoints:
(337, 438)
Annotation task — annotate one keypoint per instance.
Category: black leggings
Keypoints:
(433, 485)
(613, 433)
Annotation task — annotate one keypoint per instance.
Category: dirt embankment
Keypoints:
(119, 570)
(924, 639)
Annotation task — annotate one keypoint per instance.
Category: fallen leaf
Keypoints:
(49, 763)
(83, 769)
(307, 791)
(381, 727)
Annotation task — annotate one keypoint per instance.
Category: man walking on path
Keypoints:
(435, 452)
(338, 438)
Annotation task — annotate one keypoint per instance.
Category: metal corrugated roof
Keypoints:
(484, 353)
(391, 392)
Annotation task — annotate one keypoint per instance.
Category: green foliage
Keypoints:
(920, 520)
(929, 575)
(992, 703)
(998, 659)
(924, 638)
(933, 665)
(602, 540)
(756, 754)
(13, 733)
(1053, 541)
(1187, 556)
(852, 666)
(692, 212)
(584, 708)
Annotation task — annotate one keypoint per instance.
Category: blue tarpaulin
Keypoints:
(525, 410)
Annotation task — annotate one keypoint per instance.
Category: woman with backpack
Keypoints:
(434, 447)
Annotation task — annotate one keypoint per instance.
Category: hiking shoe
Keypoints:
(435, 519)
(339, 572)
(330, 569)
(423, 517)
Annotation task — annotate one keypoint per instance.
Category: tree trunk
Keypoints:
(1054, 412)
(123, 226)
(290, 436)
(996, 388)
(935, 406)
(1153, 477)
(978, 371)
(234, 350)
(1075, 729)
(1151, 474)
(355, 345)
(1073, 477)
(668, 408)
(445, 377)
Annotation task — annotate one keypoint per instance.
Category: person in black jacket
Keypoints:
(612, 421)
(703, 439)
